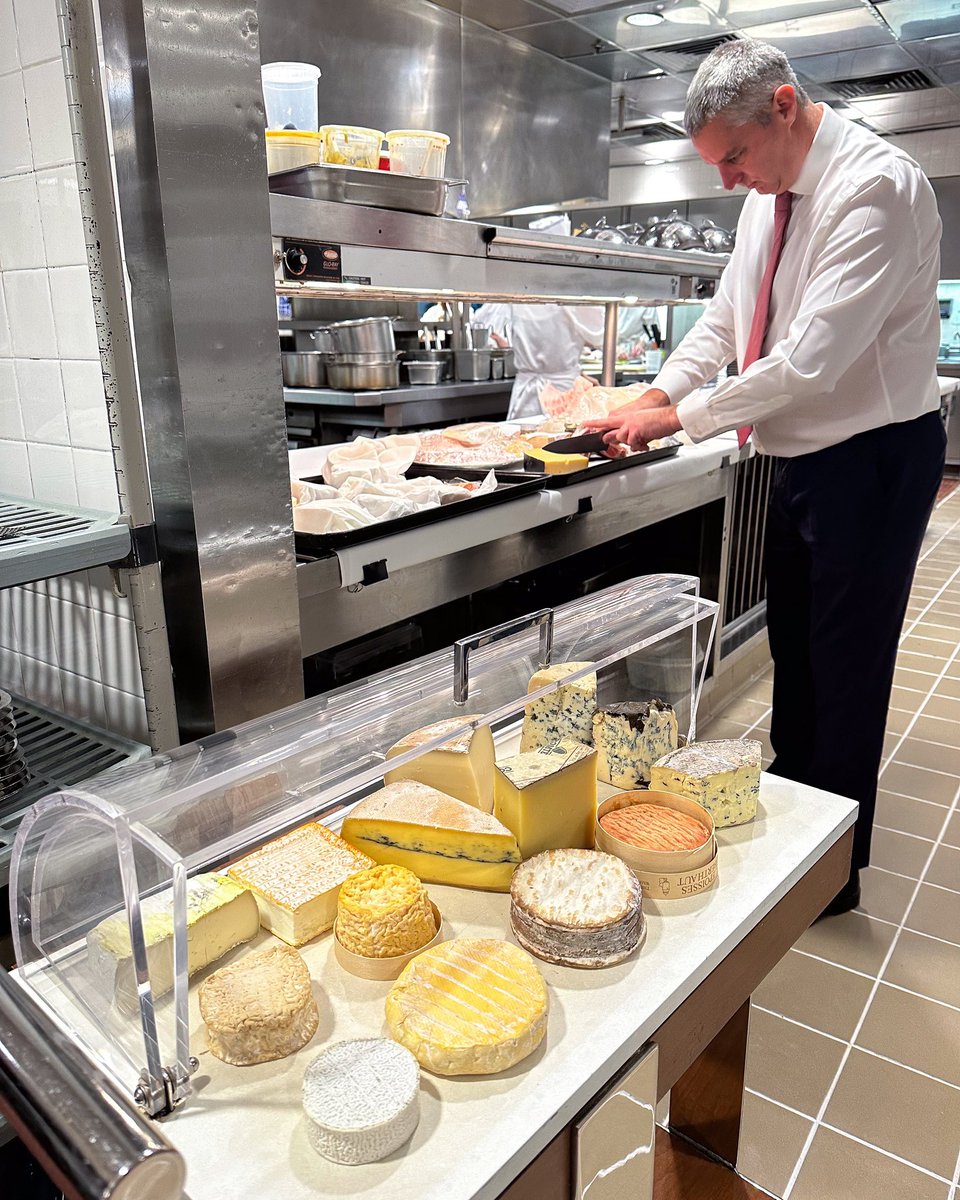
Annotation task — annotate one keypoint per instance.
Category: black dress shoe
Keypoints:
(846, 899)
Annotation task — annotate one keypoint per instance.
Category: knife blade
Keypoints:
(586, 443)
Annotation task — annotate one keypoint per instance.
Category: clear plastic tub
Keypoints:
(291, 148)
(351, 146)
(417, 152)
(290, 95)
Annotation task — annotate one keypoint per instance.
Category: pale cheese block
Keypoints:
(473, 1006)
(439, 838)
(361, 1099)
(260, 1008)
(566, 712)
(548, 797)
(723, 777)
(296, 879)
(579, 908)
(463, 768)
(221, 914)
(630, 737)
(384, 911)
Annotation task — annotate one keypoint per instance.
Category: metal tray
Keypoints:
(358, 185)
(603, 466)
(511, 486)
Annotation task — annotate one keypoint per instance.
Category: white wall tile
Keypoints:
(15, 153)
(52, 472)
(30, 314)
(11, 424)
(75, 638)
(15, 469)
(126, 714)
(37, 30)
(60, 217)
(9, 55)
(31, 623)
(41, 402)
(47, 114)
(11, 676)
(119, 660)
(8, 637)
(6, 346)
(86, 405)
(96, 480)
(73, 312)
(21, 240)
(104, 596)
(83, 698)
(41, 683)
(73, 588)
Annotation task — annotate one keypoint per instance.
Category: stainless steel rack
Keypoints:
(38, 541)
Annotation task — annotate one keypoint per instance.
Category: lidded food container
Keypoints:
(351, 146)
(417, 152)
(288, 149)
(290, 95)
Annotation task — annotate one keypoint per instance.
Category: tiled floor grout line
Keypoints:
(866, 974)
(955, 1185)
(916, 715)
(898, 987)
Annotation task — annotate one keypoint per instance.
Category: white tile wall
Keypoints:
(70, 642)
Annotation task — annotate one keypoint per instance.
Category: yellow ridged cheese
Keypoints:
(473, 1006)
(439, 838)
(296, 879)
(548, 797)
(384, 911)
(551, 463)
(463, 768)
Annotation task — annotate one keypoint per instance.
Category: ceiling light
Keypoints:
(672, 114)
(643, 19)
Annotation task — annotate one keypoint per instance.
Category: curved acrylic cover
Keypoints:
(82, 857)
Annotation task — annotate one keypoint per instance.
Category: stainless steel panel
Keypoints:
(184, 91)
(615, 1141)
(405, 64)
(377, 189)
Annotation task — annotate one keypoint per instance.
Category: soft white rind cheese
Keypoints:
(723, 777)
(566, 712)
(463, 768)
(630, 737)
(361, 1099)
(220, 915)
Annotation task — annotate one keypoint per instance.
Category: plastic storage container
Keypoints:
(351, 146)
(417, 151)
(290, 95)
(291, 148)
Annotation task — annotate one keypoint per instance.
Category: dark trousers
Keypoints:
(844, 529)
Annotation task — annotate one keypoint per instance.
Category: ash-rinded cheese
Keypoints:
(260, 1008)
(548, 797)
(296, 879)
(473, 1006)
(440, 839)
(567, 712)
(220, 915)
(579, 908)
(463, 768)
(361, 1099)
(723, 777)
(384, 911)
(630, 737)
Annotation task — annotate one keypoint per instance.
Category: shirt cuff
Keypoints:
(696, 417)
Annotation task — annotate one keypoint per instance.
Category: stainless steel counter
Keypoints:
(410, 407)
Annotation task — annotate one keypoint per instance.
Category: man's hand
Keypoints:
(640, 422)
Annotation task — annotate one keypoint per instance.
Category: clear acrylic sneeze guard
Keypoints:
(85, 856)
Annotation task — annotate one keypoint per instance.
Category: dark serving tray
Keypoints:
(604, 466)
(512, 484)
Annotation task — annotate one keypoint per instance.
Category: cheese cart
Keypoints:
(131, 908)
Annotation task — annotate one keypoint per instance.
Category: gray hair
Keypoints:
(736, 81)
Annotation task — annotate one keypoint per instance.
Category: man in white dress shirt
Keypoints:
(842, 389)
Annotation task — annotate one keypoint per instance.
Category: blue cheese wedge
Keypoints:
(566, 712)
(630, 737)
(723, 777)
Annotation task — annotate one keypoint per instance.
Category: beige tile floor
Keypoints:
(853, 1067)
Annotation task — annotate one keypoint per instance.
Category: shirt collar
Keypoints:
(821, 151)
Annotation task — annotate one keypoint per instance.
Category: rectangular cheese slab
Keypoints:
(296, 880)
(220, 915)
(566, 712)
(548, 797)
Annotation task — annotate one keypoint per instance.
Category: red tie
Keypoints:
(761, 314)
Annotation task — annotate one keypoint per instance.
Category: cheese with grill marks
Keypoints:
(473, 1006)
(566, 712)
(630, 737)
(722, 777)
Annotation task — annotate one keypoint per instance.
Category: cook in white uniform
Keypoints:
(547, 341)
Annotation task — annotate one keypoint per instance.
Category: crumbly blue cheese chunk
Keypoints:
(630, 737)
(723, 777)
(567, 712)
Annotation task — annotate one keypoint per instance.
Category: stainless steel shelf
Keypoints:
(38, 541)
(59, 753)
(330, 397)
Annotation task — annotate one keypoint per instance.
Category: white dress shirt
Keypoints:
(854, 324)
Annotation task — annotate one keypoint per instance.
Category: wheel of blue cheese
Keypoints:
(361, 1099)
